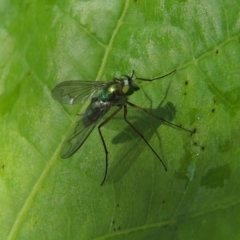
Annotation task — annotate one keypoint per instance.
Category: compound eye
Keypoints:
(125, 89)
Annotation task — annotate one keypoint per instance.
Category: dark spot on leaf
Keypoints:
(194, 131)
(186, 82)
(203, 148)
(217, 51)
(213, 110)
(215, 177)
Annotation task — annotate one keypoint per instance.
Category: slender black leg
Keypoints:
(103, 141)
(152, 79)
(163, 120)
(125, 118)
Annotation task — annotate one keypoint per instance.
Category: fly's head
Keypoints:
(129, 87)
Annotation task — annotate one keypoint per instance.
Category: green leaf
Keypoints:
(43, 196)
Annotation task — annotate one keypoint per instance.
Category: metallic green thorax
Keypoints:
(118, 90)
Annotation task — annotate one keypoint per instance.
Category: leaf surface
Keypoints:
(43, 196)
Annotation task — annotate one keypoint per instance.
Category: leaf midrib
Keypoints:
(26, 206)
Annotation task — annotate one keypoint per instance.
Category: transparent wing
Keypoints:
(76, 91)
(78, 135)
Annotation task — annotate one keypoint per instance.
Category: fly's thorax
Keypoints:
(129, 87)
(118, 89)
(111, 91)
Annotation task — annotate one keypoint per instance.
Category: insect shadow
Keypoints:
(131, 145)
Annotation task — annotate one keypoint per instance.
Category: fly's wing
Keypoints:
(76, 91)
(78, 135)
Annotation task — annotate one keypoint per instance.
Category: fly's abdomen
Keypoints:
(95, 111)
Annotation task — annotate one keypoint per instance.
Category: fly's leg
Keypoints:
(163, 120)
(103, 141)
(144, 139)
(152, 79)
